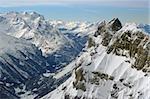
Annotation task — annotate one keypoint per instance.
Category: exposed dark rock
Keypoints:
(101, 28)
(90, 42)
(79, 76)
(67, 97)
(115, 24)
(102, 76)
(81, 85)
(106, 30)
(106, 38)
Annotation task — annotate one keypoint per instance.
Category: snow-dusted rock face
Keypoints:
(115, 65)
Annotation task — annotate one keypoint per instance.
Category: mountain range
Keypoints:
(45, 59)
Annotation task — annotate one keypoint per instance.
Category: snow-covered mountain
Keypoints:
(116, 65)
(48, 37)
(32, 26)
(30, 50)
(72, 60)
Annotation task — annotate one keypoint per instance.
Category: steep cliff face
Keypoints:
(114, 66)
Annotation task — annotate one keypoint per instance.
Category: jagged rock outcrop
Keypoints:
(137, 43)
(115, 24)
(107, 30)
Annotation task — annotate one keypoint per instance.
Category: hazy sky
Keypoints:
(84, 10)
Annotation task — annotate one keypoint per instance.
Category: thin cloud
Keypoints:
(121, 3)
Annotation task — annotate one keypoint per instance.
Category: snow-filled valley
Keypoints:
(50, 59)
